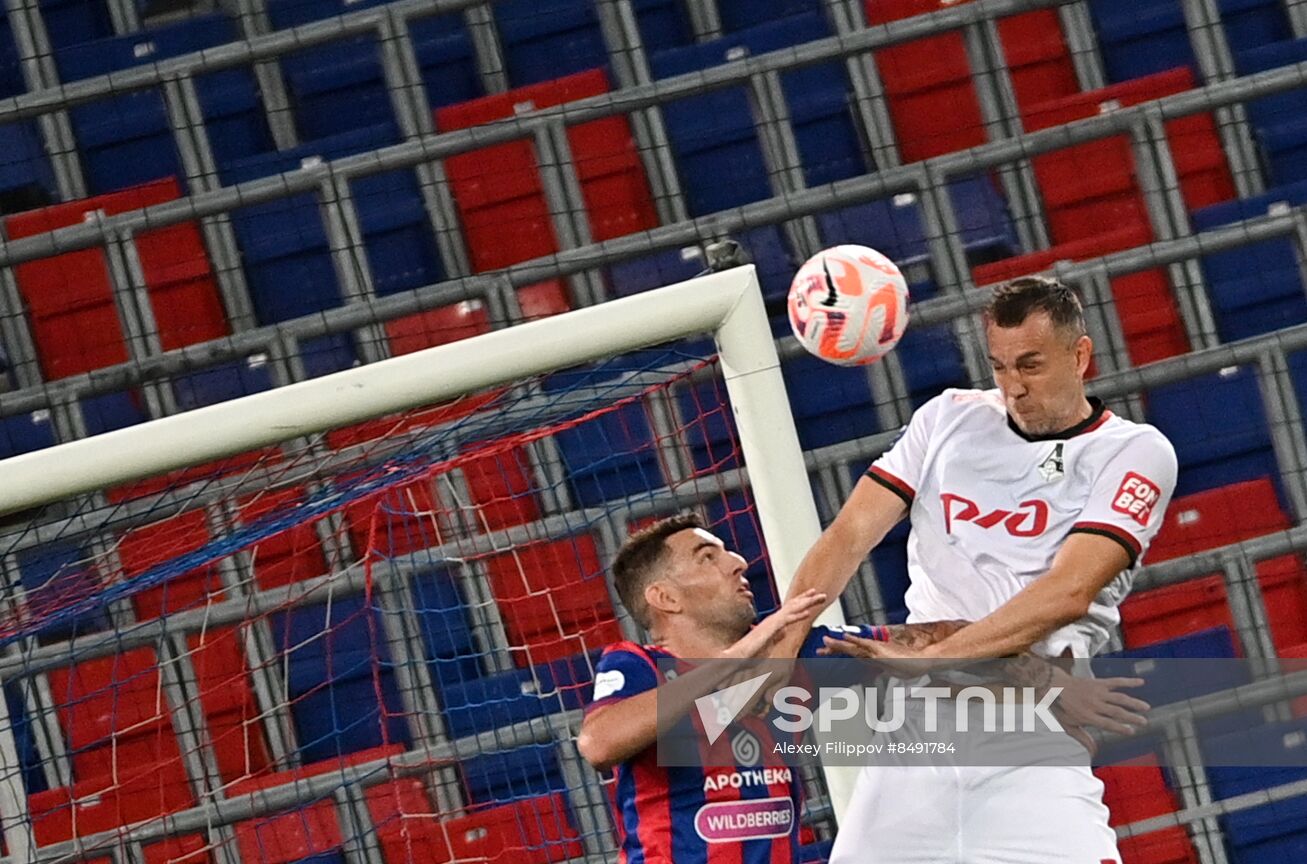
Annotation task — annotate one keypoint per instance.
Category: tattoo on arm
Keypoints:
(918, 636)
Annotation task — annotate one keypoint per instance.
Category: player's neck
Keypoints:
(692, 641)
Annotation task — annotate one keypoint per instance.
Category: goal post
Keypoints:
(728, 306)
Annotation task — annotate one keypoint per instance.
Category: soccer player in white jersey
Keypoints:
(1031, 506)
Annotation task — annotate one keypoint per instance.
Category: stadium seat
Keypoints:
(23, 433)
(493, 701)
(1218, 517)
(1277, 120)
(1135, 790)
(1274, 755)
(111, 713)
(506, 775)
(73, 22)
(499, 192)
(931, 358)
(1151, 36)
(714, 135)
(127, 140)
(547, 39)
(1149, 316)
(26, 179)
(657, 270)
(334, 680)
(25, 736)
(288, 556)
(928, 82)
(1218, 428)
(553, 599)
(1248, 301)
(284, 242)
(220, 383)
(70, 300)
(1092, 187)
(51, 572)
(895, 227)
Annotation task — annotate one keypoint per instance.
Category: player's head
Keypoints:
(1039, 352)
(675, 573)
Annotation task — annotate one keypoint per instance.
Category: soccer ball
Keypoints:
(848, 305)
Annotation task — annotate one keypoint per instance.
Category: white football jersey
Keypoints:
(990, 506)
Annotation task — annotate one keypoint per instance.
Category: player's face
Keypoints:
(1040, 370)
(710, 582)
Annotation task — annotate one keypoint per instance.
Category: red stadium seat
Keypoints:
(928, 84)
(288, 556)
(70, 296)
(499, 192)
(1149, 316)
(553, 599)
(1092, 185)
(1218, 517)
(1136, 790)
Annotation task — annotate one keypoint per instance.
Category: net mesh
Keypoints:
(374, 642)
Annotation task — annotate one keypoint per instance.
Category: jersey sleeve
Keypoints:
(821, 631)
(899, 469)
(622, 672)
(1128, 499)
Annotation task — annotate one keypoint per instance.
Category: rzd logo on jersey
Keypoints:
(1029, 520)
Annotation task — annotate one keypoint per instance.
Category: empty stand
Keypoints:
(26, 179)
(500, 194)
(928, 82)
(127, 140)
(1248, 300)
(1276, 831)
(1092, 187)
(70, 297)
(1149, 316)
(1139, 39)
(718, 150)
(1135, 790)
(1277, 120)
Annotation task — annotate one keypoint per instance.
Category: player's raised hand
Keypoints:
(903, 659)
(758, 641)
(1100, 703)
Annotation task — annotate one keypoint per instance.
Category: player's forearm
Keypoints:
(1014, 627)
(614, 733)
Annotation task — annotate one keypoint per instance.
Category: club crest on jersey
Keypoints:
(1052, 468)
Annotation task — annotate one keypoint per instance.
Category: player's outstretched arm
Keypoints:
(618, 731)
(863, 521)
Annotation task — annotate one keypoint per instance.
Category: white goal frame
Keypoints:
(727, 305)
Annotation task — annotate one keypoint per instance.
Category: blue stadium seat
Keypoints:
(1277, 754)
(284, 245)
(330, 83)
(816, 853)
(507, 775)
(26, 180)
(830, 403)
(1218, 427)
(112, 411)
(663, 24)
(716, 142)
(547, 39)
(1139, 39)
(72, 22)
(332, 679)
(613, 457)
(733, 518)
(23, 433)
(29, 755)
(482, 704)
(127, 140)
(895, 226)
(744, 14)
(890, 561)
(1249, 300)
(773, 259)
(655, 271)
(220, 383)
(1277, 120)
(931, 359)
(52, 572)
(11, 70)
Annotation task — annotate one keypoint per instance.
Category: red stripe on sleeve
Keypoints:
(1120, 534)
(893, 482)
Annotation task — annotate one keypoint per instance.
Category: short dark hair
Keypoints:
(639, 557)
(1014, 301)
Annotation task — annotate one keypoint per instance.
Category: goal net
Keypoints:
(372, 641)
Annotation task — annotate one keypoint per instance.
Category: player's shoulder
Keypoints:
(1143, 437)
(626, 651)
(954, 401)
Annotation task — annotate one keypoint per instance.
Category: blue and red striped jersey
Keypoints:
(737, 814)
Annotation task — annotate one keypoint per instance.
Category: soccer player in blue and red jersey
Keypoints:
(690, 593)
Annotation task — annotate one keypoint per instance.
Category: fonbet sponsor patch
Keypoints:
(1136, 497)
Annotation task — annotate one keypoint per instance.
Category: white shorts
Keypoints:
(976, 815)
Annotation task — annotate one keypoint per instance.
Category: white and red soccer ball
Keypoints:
(848, 305)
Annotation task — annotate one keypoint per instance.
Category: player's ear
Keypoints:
(662, 595)
(1084, 348)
